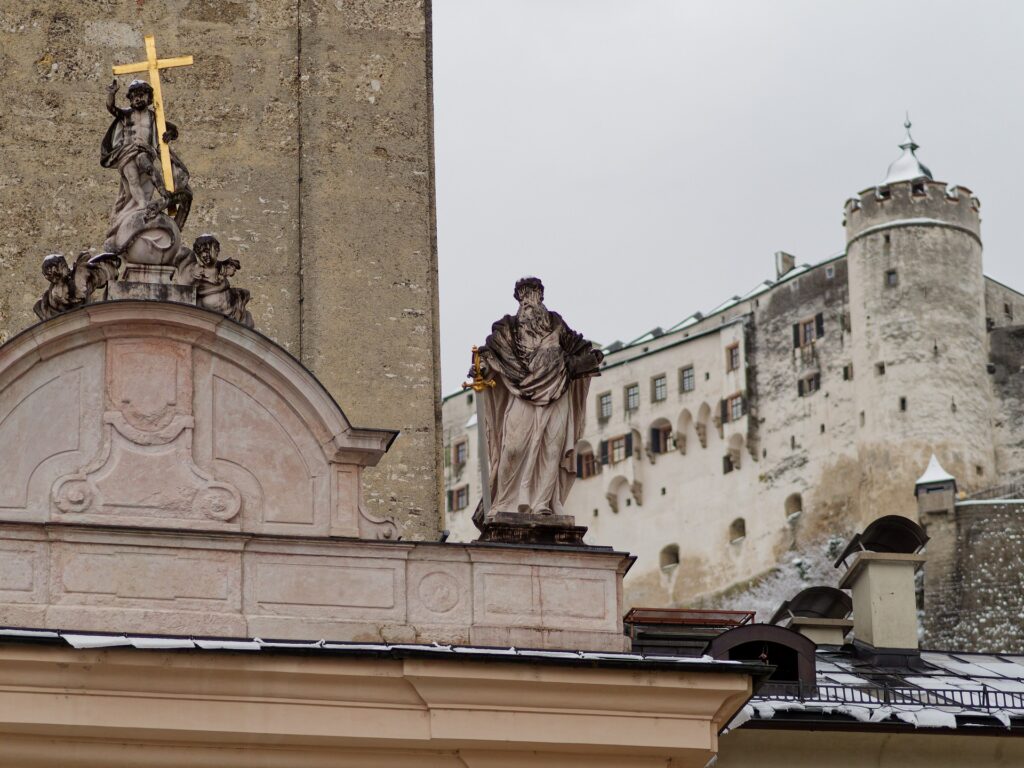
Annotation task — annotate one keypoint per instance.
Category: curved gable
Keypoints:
(167, 416)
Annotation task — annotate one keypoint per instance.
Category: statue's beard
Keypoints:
(534, 318)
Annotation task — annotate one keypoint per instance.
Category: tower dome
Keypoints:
(907, 167)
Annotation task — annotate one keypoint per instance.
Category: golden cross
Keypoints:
(153, 65)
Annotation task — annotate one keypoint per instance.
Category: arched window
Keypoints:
(669, 557)
(586, 463)
(794, 506)
(737, 530)
(661, 439)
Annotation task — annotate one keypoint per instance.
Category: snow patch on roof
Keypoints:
(935, 473)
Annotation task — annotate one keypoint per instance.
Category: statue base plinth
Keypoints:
(520, 528)
(131, 289)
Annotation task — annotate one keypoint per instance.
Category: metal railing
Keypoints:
(983, 698)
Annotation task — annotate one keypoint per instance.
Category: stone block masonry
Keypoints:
(308, 130)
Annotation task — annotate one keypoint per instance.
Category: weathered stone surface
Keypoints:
(192, 583)
(324, 191)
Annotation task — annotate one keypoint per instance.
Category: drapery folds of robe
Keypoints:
(534, 414)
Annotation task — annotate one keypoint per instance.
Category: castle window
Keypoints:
(669, 557)
(794, 506)
(727, 465)
(586, 463)
(808, 384)
(917, 189)
(903, 404)
(792, 442)
(604, 406)
(733, 408)
(806, 331)
(732, 357)
(469, 399)
(461, 453)
(830, 272)
(1008, 311)
(632, 397)
(737, 530)
(460, 498)
(880, 369)
(661, 436)
(659, 388)
(686, 379)
(891, 278)
(848, 372)
(862, 418)
(617, 448)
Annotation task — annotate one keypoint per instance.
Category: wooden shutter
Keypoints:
(451, 501)
(579, 465)
(723, 408)
(819, 325)
(604, 451)
(656, 440)
(796, 335)
(629, 444)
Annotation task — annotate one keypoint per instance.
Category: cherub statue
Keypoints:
(72, 287)
(200, 267)
(132, 147)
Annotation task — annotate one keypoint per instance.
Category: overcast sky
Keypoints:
(646, 158)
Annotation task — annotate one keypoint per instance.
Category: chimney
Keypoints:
(881, 563)
(783, 263)
(821, 614)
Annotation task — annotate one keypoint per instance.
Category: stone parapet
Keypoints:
(215, 584)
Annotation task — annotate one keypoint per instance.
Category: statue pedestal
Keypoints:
(518, 528)
(131, 289)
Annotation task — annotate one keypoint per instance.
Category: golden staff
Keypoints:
(480, 384)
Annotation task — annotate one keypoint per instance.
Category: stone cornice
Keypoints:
(128, 707)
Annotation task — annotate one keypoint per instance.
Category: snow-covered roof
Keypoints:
(935, 473)
(92, 640)
(907, 167)
(942, 690)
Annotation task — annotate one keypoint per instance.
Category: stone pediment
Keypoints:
(155, 415)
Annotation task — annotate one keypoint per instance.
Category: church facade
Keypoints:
(746, 437)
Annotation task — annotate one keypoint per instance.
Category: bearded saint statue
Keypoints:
(534, 415)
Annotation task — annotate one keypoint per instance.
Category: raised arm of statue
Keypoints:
(112, 108)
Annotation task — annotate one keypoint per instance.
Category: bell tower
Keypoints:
(917, 317)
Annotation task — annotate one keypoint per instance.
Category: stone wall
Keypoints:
(307, 127)
(972, 577)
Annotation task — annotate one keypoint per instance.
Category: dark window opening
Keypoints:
(663, 490)
(469, 398)
(822, 429)
(808, 385)
(669, 556)
(862, 418)
(979, 470)
(727, 465)
(880, 369)
(848, 372)
(785, 660)
(903, 404)
(891, 278)
(917, 189)
(737, 530)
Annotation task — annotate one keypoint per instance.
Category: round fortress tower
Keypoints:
(917, 317)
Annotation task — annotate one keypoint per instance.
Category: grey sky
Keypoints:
(647, 157)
